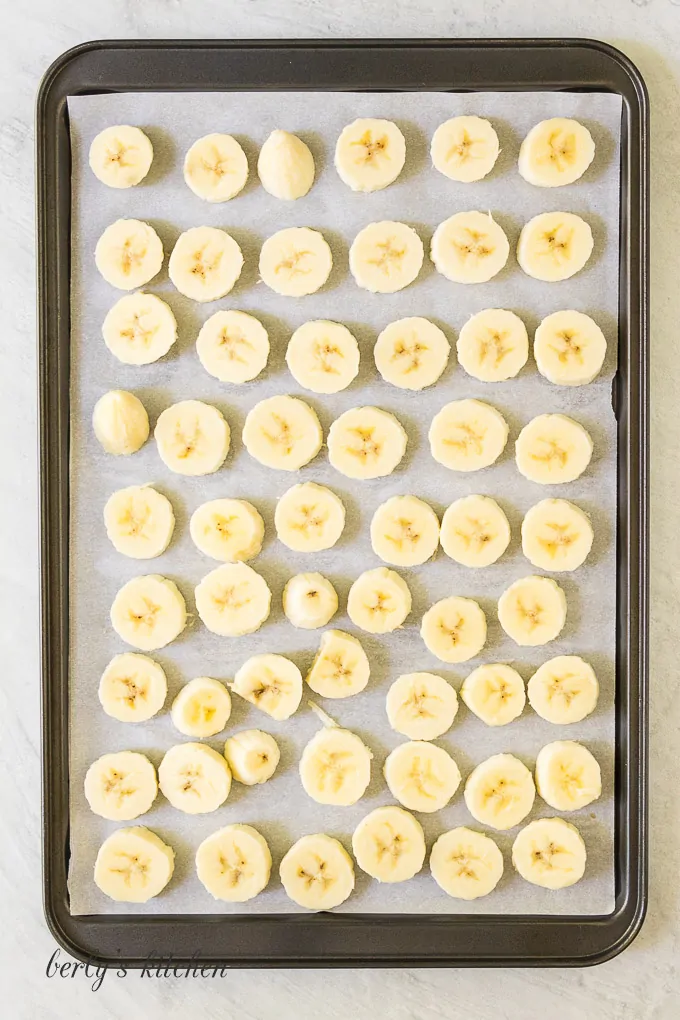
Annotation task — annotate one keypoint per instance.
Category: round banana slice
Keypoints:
(466, 864)
(404, 531)
(554, 246)
(230, 530)
(454, 629)
(569, 348)
(475, 531)
(335, 767)
(389, 844)
(133, 865)
(323, 356)
(133, 688)
(216, 168)
(421, 706)
(317, 872)
(564, 690)
(421, 776)
(370, 154)
(309, 518)
(309, 601)
(120, 156)
(128, 254)
(233, 346)
(121, 786)
(270, 682)
(567, 775)
(467, 435)
(500, 792)
(285, 166)
(205, 263)
(139, 522)
(283, 433)
(202, 708)
(555, 152)
(366, 442)
(495, 693)
(194, 778)
(379, 601)
(192, 438)
(295, 261)
(149, 612)
(139, 329)
(532, 611)
(553, 449)
(233, 600)
(252, 756)
(120, 423)
(386, 257)
(234, 863)
(556, 535)
(469, 247)
(465, 149)
(340, 668)
(493, 345)
(411, 353)
(550, 852)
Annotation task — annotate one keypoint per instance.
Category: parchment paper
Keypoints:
(423, 198)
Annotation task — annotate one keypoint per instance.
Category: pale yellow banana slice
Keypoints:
(295, 261)
(309, 518)
(554, 246)
(421, 776)
(323, 356)
(370, 154)
(120, 423)
(192, 438)
(454, 629)
(469, 247)
(120, 156)
(252, 756)
(340, 668)
(556, 535)
(493, 345)
(467, 435)
(121, 786)
(569, 348)
(128, 254)
(366, 442)
(421, 706)
(205, 263)
(533, 611)
(564, 690)
(550, 852)
(404, 531)
(411, 353)
(202, 708)
(389, 844)
(133, 688)
(139, 329)
(317, 872)
(139, 521)
(553, 449)
(216, 168)
(567, 775)
(234, 863)
(465, 148)
(555, 152)
(233, 600)
(386, 257)
(230, 530)
(500, 792)
(283, 433)
(309, 601)
(379, 601)
(466, 864)
(495, 693)
(270, 682)
(133, 865)
(194, 778)
(335, 767)
(285, 166)
(475, 531)
(233, 346)
(149, 612)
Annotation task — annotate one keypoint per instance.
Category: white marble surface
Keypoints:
(645, 981)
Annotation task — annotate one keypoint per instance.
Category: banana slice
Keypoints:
(230, 530)
(340, 668)
(234, 863)
(469, 247)
(465, 149)
(233, 346)
(466, 864)
(285, 166)
(139, 329)
(564, 690)
(550, 852)
(475, 531)
(121, 156)
(370, 154)
(216, 168)
(556, 535)
(500, 792)
(389, 844)
(532, 611)
(252, 756)
(149, 612)
(192, 438)
(454, 629)
(556, 152)
(569, 348)
(205, 263)
(493, 345)
(317, 872)
(553, 449)
(379, 601)
(139, 522)
(567, 775)
(421, 776)
(271, 683)
(128, 254)
(121, 786)
(120, 423)
(495, 693)
(386, 257)
(295, 261)
(554, 246)
(335, 767)
(366, 442)
(202, 708)
(323, 356)
(467, 435)
(309, 518)
(421, 706)
(132, 688)
(233, 600)
(194, 778)
(282, 433)
(133, 865)
(309, 601)
(411, 353)
(404, 531)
